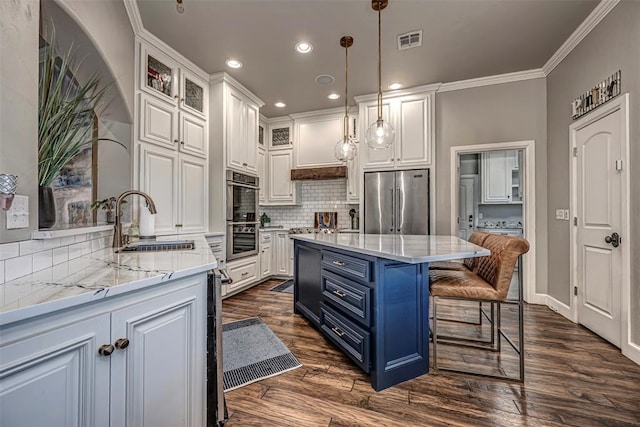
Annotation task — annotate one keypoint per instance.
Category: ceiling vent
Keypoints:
(409, 40)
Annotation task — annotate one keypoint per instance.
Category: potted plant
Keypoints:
(107, 205)
(65, 120)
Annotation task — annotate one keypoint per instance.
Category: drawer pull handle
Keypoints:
(338, 332)
(245, 273)
(339, 263)
(340, 294)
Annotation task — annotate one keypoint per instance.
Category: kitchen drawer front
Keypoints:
(349, 297)
(349, 337)
(242, 273)
(347, 265)
(266, 237)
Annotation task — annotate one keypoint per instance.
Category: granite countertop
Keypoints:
(98, 275)
(411, 249)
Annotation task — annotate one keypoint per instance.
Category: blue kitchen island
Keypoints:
(369, 294)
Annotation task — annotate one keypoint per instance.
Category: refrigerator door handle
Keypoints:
(400, 212)
(393, 210)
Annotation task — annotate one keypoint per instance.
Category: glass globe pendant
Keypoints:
(346, 149)
(379, 135)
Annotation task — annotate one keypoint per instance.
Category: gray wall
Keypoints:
(614, 44)
(498, 113)
(107, 26)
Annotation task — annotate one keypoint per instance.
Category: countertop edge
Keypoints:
(43, 308)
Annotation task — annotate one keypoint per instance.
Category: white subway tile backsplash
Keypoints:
(60, 255)
(30, 246)
(9, 250)
(80, 237)
(42, 260)
(67, 240)
(18, 267)
(85, 248)
(75, 250)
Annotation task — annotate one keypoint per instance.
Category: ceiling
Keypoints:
(462, 39)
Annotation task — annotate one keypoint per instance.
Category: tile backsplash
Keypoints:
(317, 196)
(29, 256)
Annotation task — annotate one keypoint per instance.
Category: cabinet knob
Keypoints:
(106, 350)
(122, 343)
(175, 96)
(176, 141)
(244, 164)
(182, 142)
(178, 225)
(182, 100)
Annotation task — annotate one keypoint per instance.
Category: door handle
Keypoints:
(614, 240)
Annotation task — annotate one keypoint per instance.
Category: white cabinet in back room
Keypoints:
(500, 177)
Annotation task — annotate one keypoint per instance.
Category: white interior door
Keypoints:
(467, 206)
(599, 199)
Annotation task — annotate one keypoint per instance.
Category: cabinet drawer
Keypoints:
(242, 274)
(265, 238)
(349, 337)
(348, 296)
(347, 265)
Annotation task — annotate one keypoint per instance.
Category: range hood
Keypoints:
(328, 172)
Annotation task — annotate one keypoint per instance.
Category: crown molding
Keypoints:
(224, 77)
(134, 16)
(431, 88)
(493, 80)
(601, 10)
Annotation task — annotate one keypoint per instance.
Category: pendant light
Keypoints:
(345, 148)
(379, 135)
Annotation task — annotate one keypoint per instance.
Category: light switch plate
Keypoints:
(559, 213)
(18, 215)
(566, 214)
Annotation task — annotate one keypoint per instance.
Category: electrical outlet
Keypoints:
(566, 214)
(559, 213)
(18, 215)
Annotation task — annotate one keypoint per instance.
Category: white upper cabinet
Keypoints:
(280, 134)
(164, 78)
(500, 177)
(281, 189)
(242, 132)
(353, 180)
(411, 116)
(193, 135)
(315, 139)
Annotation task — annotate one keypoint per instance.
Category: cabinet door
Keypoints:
(193, 93)
(193, 135)
(353, 180)
(261, 165)
(316, 138)
(157, 380)
(159, 179)
(265, 261)
(280, 184)
(57, 378)
(308, 282)
(251, 132)
(377, 158)
(282, 254)
(158, 122)
(193, 194)
(281, 135)
(496, 177)
(235, 138)
(413, 134)
(158, 74)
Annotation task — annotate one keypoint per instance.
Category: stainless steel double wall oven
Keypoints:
(242, 215)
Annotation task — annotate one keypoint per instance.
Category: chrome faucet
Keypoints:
(117, 230)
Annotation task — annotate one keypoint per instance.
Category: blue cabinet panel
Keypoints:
(349, 296)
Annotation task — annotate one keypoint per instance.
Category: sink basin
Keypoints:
(160, 245)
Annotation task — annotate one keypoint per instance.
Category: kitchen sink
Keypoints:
(160, 245)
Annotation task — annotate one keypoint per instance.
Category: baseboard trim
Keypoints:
(631, 351)
(540, 299)
(559, 307)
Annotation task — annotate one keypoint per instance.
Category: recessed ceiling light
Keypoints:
(395, 86)
(304, 47)
(280, 104)
(324, 79)
(234, 63)
(333, 96)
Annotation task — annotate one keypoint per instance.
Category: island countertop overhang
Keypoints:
(412, 249)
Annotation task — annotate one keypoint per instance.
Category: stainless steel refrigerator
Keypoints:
(396, 202)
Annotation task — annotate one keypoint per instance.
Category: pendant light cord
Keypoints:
(345, 124)
(379, 61)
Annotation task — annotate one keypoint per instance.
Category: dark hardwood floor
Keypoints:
(572, 378)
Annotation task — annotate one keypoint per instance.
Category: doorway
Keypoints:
(600, 271)
(490, 184)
